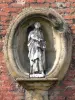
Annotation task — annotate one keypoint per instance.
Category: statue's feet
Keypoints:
(41, 72)
(37, 75)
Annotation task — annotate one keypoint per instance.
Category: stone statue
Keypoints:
(36, 46)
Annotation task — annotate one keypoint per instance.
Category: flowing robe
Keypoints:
(36, 47)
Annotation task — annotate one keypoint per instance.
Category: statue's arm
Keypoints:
(29, 37)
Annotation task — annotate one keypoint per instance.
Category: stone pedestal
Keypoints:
(36, 95)
(36, 89)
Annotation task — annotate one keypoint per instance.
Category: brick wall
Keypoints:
(9, 89)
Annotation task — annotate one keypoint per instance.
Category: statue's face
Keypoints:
(37, 25)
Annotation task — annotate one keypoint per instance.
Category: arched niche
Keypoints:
(58, 38)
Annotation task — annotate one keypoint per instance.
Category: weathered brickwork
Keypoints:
(9, 9)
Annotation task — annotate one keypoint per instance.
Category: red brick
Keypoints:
(4, 18)
(27, 5)
(73, 27)
(68, 17)
(73, 16)
(40, 5)
(4, 77)
(69, 10)
(71, 0)
(9, 97)
(71, 97)
(67, 4)
(4, 5)
(41, 1)
(69, 92)
(16, 5)
(4, 32)
(50, 1)
(5, 1)
(1, 44)
(71, 72)
(13, 15)
(1, 97)
(73, 4)
(3, 13)
(1, 57)
(5, 27)
(60, 0)
(11, 9)
(69, 21)
(53, 5)
(73, 32)
(30, 1)
(59, 98)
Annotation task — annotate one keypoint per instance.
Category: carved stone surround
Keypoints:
(58, 52)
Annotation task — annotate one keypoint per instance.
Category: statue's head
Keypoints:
(37, 25)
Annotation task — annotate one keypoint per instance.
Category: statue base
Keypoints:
(37, 75)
